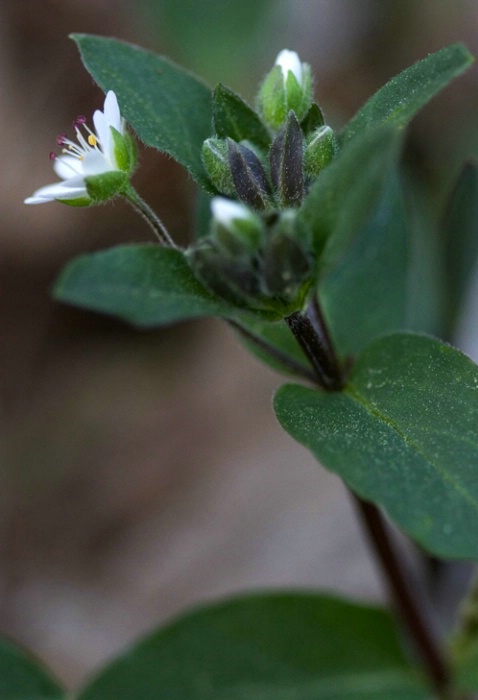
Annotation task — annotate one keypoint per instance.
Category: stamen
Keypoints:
(79, 121)
(61, 139)
(92, 140)
(52, 155)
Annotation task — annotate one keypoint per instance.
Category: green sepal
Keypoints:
(277, 97)
(122, 151)
(216, 164)
(78, 202)
(106, 185)
(319, 151)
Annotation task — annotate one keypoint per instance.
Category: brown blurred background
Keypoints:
(144, 472)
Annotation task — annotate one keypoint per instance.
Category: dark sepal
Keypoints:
(286, 160)
(249, 176)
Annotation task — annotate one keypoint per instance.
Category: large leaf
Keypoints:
(266, 647)
(22, 678)
(146, 285)
(460, 228)
(405, 94)
(168, 107)
(342, 199)
(403, 434)
(365, 294)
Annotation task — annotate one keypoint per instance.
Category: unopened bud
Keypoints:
(288, 86)
(236, 228)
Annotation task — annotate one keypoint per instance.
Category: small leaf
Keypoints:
(22, 678)
(145, 285)
(403, 434)
(405, 94)
(313, 119)
(266, 647)
(168, 107)
(233, 118)
(460, 229)
(344, 195)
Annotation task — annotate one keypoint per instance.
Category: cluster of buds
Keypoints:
(301, 144)
(254, 255)
(253, 259)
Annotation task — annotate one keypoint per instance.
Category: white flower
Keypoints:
(94, 153)
(290, 61)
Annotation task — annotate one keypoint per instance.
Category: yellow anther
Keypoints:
(92, 140)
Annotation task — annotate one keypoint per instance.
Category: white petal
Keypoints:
(102, 130)
(58, 190)
(225, 210)
(95, 163)
(67, 167)
(290, 61)
(112, 111)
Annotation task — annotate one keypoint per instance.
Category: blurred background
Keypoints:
(144, 472)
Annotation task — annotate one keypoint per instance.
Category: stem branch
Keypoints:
(160, 230)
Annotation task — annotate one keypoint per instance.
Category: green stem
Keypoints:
(160, 230)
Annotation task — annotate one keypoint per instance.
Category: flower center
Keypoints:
(83, 146)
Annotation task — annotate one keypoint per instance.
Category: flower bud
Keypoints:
(216, 163)
(288, 86)
(237, 229)
(320, 150)
(287, 266)
(286, 163)
(249, 176)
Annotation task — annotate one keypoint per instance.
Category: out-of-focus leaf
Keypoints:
(22, 678)
(460, 231)
(344, 196)
(285, 646)
(365, 294)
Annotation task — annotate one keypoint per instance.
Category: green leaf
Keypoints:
(146, 285)
(403, 434)
(266, 647)
(405, 94)
(344, 195)
(22, 678)
(365, 294)
(168, 107)
(460, 229)
(235, 119)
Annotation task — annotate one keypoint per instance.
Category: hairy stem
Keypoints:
(159, 229)
(308, 331)
(285, 360)
(401, 594)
